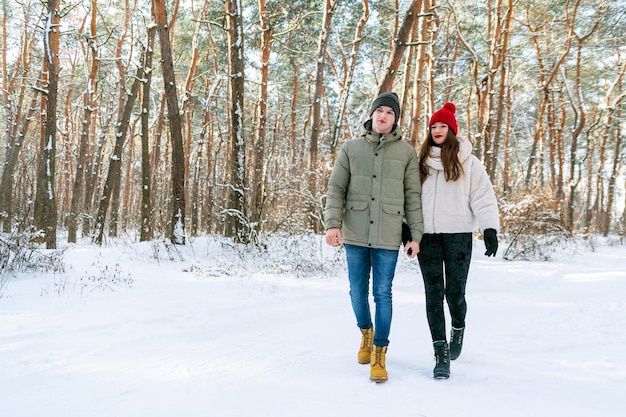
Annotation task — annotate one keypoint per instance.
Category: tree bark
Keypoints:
(316, 122)
(258, 185)
(15, 85)
(338, 125)
(400, 45)
(186, 108)
(176, 136)
(235, 213)
(146, 170)
(422, 68)
(115, 161)
(89, 105)
(45, 201)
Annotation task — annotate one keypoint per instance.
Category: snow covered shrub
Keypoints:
(19, 251)
(533, 228)
(165, 246)
(303, 255)
(103, 277)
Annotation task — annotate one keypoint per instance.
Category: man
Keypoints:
(374, 185)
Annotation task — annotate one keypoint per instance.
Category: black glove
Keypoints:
(406, 233)
(491, 242)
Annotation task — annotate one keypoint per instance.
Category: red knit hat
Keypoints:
(445, 115)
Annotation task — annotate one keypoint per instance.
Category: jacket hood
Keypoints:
(434, 159)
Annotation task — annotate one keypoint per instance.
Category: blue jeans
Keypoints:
(382, 264)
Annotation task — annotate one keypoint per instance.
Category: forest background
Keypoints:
(177, 118)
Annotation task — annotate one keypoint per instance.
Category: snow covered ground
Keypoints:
(211, 330)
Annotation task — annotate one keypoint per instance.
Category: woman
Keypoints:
(457, 197)
(373, 186)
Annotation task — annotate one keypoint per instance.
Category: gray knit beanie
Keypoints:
(389, 99)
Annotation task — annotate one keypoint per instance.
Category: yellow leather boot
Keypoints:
(365, 350)
(378, 372)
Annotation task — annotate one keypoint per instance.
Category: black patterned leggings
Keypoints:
(444, 259)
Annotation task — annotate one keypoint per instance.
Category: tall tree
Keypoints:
(235, 221)
(176, 133)
(146, 171)
(89, 105)
(17, 118)
(423, 68)
(550, 67)
(258, 185)
(577, 101)
(348, 79)
(125, 108)
(400, 44)
(45, 201)
(316, 122)
(187, 113)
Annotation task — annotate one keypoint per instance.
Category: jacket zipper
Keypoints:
(435, 200)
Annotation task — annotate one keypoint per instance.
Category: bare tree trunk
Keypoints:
(158, 148)
(89, 104)
(235, 215)
(577, 101)
(115, 161)
(178, 152)
(580, 119)
(615, 113)
(407, 77)
(547, 79)
(506, 151)
(316, 122)
(258, 185)
(293, 128)
(606, 226)
(338, 125)
(401, 43)
(423, 58)
(146, 171)
(187, 113)
(126, 102)
(16, 123)
(114, 204)
(623, 218)
(204, 187)
(91, 188)
(45, 201)
(12, 154)
(501, 109)
(588, 210)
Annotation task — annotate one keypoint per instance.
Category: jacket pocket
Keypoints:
(391, 224)
(356, 221)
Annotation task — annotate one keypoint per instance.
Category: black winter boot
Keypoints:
(442, 360)
(456, 342)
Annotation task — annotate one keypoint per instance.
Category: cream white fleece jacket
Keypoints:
(458, 206)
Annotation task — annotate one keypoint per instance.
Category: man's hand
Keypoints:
(333, 236)
(412, 249)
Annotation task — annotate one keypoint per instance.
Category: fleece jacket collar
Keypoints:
(434, 159)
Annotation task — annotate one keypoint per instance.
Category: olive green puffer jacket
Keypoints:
(375, 183)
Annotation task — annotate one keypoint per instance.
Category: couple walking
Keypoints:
(379, 195)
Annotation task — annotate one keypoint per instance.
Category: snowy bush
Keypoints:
(102, 277)
(534, 229)
(214, 256)
(20, 252)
